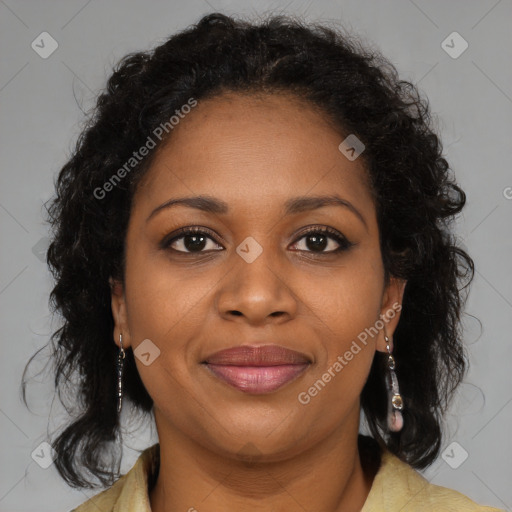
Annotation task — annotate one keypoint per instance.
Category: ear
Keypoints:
(118, 304)
(390, 311)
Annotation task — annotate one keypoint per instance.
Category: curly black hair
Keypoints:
(416, 199)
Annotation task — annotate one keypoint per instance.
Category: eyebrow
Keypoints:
(292, 206)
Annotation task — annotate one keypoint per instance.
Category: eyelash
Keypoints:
(344, 244)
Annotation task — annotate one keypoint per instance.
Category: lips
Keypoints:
(257, 369)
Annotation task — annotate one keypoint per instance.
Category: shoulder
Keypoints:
(398, 486)
(130, 492)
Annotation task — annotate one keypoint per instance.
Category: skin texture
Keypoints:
(221, 448)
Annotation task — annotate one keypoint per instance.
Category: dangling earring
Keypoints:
(120, 365)
(395, 401)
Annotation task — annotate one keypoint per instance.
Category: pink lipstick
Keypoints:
(257, 369)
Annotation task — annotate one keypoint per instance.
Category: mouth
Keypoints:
(257, 369)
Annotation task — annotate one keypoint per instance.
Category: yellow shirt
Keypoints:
(396, 487)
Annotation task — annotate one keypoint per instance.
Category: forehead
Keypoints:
(254, 150)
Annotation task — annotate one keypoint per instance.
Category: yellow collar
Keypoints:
(396, 487)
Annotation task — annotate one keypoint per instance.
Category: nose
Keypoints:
(257, 293)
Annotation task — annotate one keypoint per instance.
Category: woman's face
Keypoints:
(254, 277)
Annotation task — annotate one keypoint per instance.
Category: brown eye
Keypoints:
(323, 241)
(191, 240)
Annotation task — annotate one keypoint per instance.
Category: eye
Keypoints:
(320, 238)
(191, 240)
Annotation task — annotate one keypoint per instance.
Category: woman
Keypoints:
(252, 243)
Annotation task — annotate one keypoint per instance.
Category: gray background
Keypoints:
(41, 102)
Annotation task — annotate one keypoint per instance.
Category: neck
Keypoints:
(193, 478)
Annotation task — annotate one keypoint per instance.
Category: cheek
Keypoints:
(161, 300)
(167, 307)
(347, 352)
(348, 301)
(348, 306)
